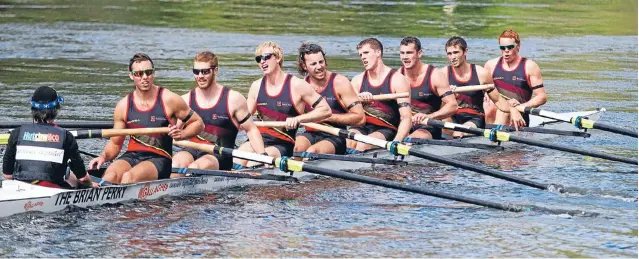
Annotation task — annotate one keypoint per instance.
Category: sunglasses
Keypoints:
(508, 47)
(203, 71)
(147, 72)
(265, 57)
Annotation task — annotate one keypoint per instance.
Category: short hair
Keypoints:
(277, 50)
(414, 40)
(206, 56)
(44, 115)
(509, 34)
(139, 57)
(374, 43)
(457, 41)
(305, 49)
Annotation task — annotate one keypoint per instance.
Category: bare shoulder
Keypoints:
(531, 65)
(121, 106)
(442, 71)
(341, 80)
(490, 64)
(358, 78)
(235, 96)
(481, 69)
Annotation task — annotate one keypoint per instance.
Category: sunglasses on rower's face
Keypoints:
(204, 71)
(508, 47)
(265, 57)
(139, 73)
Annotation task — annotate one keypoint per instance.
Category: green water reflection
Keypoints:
(391, 18)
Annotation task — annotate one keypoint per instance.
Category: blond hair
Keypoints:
(277, 50)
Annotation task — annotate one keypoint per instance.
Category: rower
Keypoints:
(148, 157)
(40, 153)
(517, 78)
(223, 112)
(279, 96)
(429, 89)
(461, 73)
(342, 99)
(386, 120)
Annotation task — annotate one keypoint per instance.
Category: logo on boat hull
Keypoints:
(147, 190)
(30, 205)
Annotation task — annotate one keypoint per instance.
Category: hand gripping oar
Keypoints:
(495, 135)
(579, 121)
(286, 164)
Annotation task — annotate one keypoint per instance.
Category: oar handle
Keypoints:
(280, 124)
(141, 131)
(384, 97)
(472, 88)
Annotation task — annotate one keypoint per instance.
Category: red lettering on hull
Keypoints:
(147, 190)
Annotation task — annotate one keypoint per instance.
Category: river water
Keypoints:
(85, 60)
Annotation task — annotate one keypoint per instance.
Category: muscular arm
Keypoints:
(180, 111)
(239, 110)
(114, 145)
(399, 84)
(449, 102)
(355, 115)
(309, 96)
(251, 97)
(534, 77)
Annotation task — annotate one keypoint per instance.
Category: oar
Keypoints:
(579, 121)
(495, 135)
(359, 159)
(401, 149)
(470, 88)
(107, 133)
(64, 124)
(286, 164)
(235, 174)
(540, 130)
(102, 133)
(452, 143)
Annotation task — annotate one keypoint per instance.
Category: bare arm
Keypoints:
(534, 77)
(353, 116)
(399, 84)
(251, 97)
(449, 102)
(114, 145)
(320, 112)
(239, 111)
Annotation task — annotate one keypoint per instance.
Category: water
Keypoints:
(84, 55)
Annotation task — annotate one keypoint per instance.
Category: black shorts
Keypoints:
(316, 136)
(285, 147)
(226, 163)
(161, 163)
(462, 118)
(389, 134)
(434, 131)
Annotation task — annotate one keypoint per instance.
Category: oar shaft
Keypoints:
(384, 97)
(348, 158)
(540, 130)
(106, 133)
(584, 123)
(472, 88)
(503, 136)
(615, 129)
(64, 124)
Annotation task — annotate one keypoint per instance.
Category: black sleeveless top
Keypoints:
(468, 102)
(513, 84)
(331, 98)
(381, 113)
(155, 117)
(423, 97)
(277, 108)
(219, 128)
(40, 153)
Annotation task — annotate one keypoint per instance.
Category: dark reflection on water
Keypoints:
(331, 218)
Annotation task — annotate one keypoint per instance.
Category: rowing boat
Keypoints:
(20, 197)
